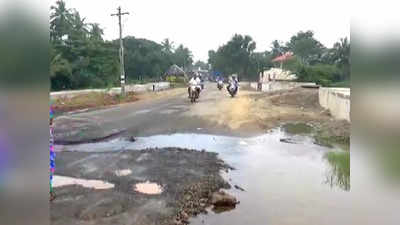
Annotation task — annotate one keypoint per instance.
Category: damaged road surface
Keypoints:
(106, 177)
(184, 178)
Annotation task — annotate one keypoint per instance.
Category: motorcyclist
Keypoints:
(194, 81)
(232, 80)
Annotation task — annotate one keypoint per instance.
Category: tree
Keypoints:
(168, 46)
(305, 46)
(341, 56)
(182, 56)
(234, 57)
(95, 32)
(200, 64)
(60, 21)
(261, 61)
(79, 57)
(277, 49)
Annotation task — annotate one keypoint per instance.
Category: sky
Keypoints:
(208, 24)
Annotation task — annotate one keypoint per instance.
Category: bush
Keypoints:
(321, 74)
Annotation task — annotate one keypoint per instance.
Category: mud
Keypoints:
(187, 178)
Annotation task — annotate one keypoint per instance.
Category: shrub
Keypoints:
(320, 74)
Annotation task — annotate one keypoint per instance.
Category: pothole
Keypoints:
(148, 188)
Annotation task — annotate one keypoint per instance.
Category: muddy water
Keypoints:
(284, 183)
(296, 183)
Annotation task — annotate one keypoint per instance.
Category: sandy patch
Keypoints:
(59, 181)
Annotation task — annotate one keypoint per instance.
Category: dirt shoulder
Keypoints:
(187, 178)
(97, 100)
(251, 110)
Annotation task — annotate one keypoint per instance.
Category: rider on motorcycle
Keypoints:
(194, 81)
(233, 80)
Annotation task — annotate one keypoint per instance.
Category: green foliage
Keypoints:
(80, 58)
(305, 46)
(234, 57)
(321, 74)
(340, 169)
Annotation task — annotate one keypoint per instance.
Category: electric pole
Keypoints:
(121, 50)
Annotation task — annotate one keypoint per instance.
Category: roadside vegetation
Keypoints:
(312, 61)
(340, 169)
(81, 58)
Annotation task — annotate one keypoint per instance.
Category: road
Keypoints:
(234, 132)
(172, 113)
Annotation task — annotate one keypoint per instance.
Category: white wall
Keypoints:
(278, 85)
(337, 100)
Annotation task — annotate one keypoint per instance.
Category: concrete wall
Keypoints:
(139, 88)
(337, 100)
(278, 85)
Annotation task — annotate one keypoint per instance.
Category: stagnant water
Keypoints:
(284, 183)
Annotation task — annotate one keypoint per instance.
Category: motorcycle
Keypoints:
(194, 93)
(232, 89)
(220, 85)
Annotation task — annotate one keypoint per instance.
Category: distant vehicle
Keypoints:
(220, 84)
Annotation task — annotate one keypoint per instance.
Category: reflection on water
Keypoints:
(339, 173)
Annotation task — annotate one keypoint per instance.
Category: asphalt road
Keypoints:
(172, 113)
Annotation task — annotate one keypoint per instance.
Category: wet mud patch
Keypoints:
(187, 178)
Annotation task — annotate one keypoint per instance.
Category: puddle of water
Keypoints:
(59, 181)
(284, 183)
(121, 173)
(148, 188)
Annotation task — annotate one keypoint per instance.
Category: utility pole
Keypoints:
(121, 50)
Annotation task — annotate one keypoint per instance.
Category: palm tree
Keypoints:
(80, 29)
(96, 32)
(60, 20)
(168, 46)
(341, 55)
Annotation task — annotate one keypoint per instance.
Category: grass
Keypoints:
(297, 128)
(340, 169)
(331, 141)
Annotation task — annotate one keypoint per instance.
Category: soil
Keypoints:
(263, 111)
(92, 100)
(187, 177)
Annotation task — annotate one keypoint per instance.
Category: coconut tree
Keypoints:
(60, 21)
